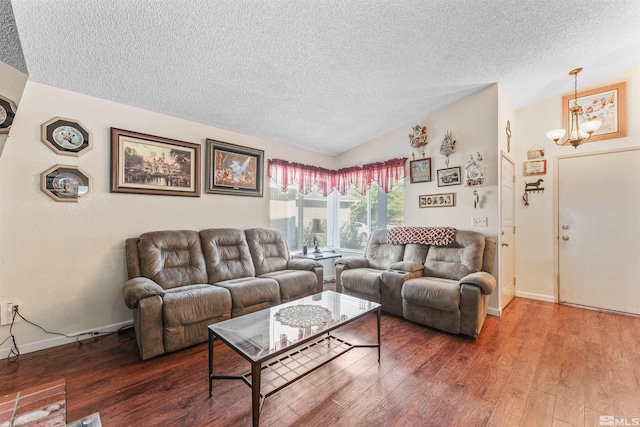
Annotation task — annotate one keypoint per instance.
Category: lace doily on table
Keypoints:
(303, 316)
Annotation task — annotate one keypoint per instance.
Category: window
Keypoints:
(302, 193)
(346, 221)
(360, 215)
(292, 213)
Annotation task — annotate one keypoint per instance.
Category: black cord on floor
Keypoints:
(14, 352)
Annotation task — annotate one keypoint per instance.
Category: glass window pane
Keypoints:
(314, 206)
(284, 213)
(353, 220)
(357, 216)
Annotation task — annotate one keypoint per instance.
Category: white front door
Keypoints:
(599, 230)
(507, 231)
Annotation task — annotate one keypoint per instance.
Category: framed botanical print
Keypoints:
(420, 170)
(147, 164)
(234, 169)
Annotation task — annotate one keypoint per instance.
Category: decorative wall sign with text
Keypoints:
(535, 167)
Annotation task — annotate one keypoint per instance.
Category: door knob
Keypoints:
(565, 237)
(565, 227)
(505, 244)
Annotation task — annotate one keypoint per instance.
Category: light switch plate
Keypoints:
(479, 221)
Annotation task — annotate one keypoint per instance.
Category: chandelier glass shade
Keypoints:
(578, 132)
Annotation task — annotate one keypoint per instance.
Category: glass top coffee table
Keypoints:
(295, 338)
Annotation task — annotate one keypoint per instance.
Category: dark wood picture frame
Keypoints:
(233, 169)
(449, 176)
(147, 164)
(420, 170)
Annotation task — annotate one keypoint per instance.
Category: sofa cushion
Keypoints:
(362, 280)
(249, 294)
(226, 254)
(433, 292)
(268, 249)
(294, 283)
(172, 258)
(415, 253)
(380, 253)
(457, 260)
(188, 310)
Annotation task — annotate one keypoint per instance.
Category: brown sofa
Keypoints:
(445, 287)
(182, 281)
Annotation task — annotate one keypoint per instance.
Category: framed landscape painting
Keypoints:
(234, 169)
(147, 164)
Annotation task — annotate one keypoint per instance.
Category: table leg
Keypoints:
(210, 363)
(256, 372)
(378, 315)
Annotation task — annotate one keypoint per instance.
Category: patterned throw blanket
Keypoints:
(437, 236)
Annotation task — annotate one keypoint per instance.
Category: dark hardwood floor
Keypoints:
(540, 364)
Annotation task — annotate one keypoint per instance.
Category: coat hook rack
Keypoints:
(534, 186)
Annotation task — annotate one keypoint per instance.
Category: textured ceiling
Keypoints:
(10, 49)
(326, 75)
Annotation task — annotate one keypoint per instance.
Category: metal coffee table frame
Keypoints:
(293, 361)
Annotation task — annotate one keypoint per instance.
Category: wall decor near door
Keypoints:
(535, 167)
(7, 113)
(474, 171)
(147, 164)
(234, 169)
(608, 103)
(66, 183)
(67, 137)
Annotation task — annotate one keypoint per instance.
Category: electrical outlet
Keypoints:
(6, 313)
(479, 221)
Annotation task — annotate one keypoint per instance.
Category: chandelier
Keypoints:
(578, 132)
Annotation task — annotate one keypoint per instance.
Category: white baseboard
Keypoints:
(494, 312)
(59, 340)
(539, 297)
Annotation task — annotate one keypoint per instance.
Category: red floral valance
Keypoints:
(386, 174)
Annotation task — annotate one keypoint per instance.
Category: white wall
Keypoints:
(536, 236)
(473, 122)
(63, 263)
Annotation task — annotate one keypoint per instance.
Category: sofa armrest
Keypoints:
(485, 281)
(398, 277)
(302, 264)
(406, 266)
(139, 288)
(352, 262)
